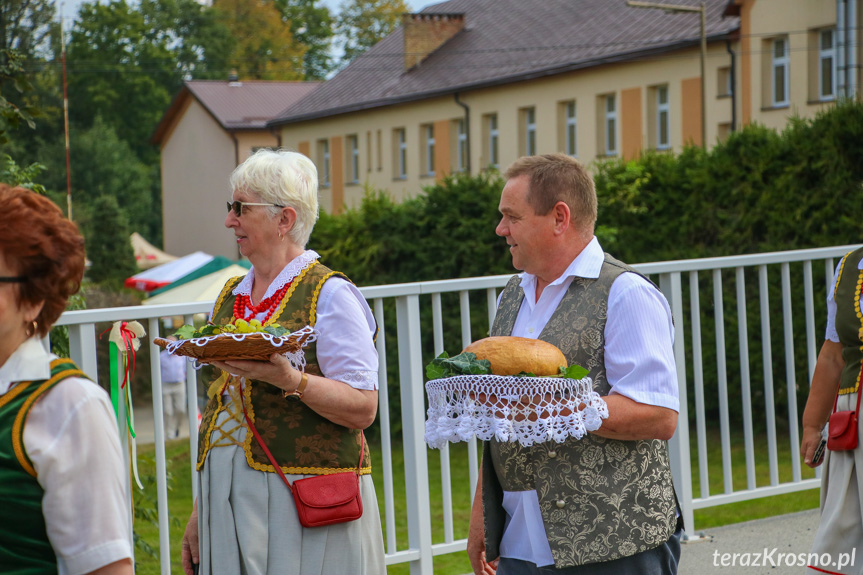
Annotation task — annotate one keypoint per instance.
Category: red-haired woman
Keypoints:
(62, 503)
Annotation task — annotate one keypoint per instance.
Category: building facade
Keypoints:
(469, 85)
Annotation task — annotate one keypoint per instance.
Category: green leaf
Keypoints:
(461, 364)
(185, 332)
(276, 330)
(573, 372)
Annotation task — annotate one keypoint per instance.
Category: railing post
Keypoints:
(413, 424)
(681, 467)
(82, 348)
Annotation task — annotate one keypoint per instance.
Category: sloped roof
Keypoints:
(236, 105)
(508, 41)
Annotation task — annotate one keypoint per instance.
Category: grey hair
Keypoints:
(284, 178)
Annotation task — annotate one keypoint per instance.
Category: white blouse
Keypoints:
(345, 324)
(71, 438)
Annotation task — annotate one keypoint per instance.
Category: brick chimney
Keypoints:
(425, 33)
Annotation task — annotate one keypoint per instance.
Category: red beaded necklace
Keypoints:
(269, 305)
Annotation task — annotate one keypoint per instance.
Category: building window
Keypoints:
(428, 145)
(400, 145)
(353, 159)
(527, 133)
(609, 132)
(490, 145)
(663, 131)
(827, 64)
(324, 162)
(723, 82)
(380, 146)
(368, 151)
(779, 67)
(570, 129)
(461, 146)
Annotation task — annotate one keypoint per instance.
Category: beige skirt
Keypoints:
(248, 525)
(840, 532)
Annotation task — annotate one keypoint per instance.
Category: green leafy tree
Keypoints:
(264, 48)
(127, 61)
(312, 26)
(363, 23)
(107, 242)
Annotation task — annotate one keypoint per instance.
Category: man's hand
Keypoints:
(190, 553)
(476, 537)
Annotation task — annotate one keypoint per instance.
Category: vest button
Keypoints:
(560, 504)
(552, 454)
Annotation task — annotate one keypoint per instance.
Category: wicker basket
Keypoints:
(227, 346)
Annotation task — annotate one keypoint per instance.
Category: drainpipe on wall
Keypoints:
(733, 73)
(236, 163)
(841, 70)
(851, 25)
(466, 128)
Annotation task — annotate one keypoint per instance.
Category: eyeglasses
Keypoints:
(237, 206)
(13, 279)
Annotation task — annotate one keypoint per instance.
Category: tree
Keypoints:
(312, 26)
(108, 247)
(363, 23)
(126, 62)
(264, 46)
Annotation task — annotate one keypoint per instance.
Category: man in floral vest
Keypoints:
(604, 504)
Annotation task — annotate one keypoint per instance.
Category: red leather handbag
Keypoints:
(322, 499)
(842, 429)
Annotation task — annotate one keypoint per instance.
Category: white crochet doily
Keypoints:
(525, 409)
(297, 358)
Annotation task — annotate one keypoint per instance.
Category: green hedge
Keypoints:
(758, 191)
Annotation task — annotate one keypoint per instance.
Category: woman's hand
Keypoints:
(808, 445)
(190, 552)
(335, 400)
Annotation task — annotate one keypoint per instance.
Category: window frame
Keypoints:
(530, 131)
(353, 159)
(493, 141)
(663, 108)
(570, 141)
(825, 54)
(429, 150)
(324, 154)
(777, 63)
(610, 125)
(401, 154)
(461, 145)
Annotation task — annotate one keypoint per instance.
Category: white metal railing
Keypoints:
(679, 281)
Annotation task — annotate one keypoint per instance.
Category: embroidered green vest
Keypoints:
(301, 440)
(849, 320)
(601, 499)
(24, 545)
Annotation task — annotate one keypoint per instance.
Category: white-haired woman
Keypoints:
(245, 520)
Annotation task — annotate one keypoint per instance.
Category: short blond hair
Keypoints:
(558, 178)
(286, 179)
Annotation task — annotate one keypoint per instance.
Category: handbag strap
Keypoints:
(272, 459)
(859, 392)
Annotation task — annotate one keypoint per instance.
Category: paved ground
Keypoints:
(768, 537)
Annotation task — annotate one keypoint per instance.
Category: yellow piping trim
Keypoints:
(839, 277)
(229, 287)
(313, 312)
(294, 284)
(14, 392)
(860, 318)
(18, 425)
(210, 427)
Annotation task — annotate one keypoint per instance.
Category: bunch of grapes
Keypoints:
(238, 326)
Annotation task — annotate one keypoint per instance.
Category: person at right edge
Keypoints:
(605, 503)
(838, 370)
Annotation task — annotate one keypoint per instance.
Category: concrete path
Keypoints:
(761, 545)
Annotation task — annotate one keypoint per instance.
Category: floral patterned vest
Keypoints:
(849, 320)
(601, 499)
(24, 544)
(301, 440)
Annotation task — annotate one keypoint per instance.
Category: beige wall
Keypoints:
(797, 21)
(633, 85)
(196, 160)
